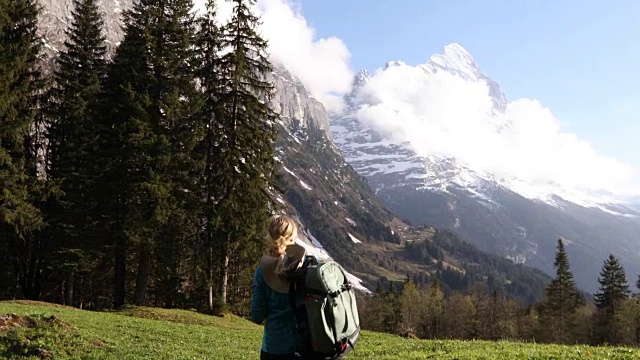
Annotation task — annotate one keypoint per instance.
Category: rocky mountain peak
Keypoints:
(455, 50)
(299, 111)
(456, 59)
(361, 78)
(393, 63)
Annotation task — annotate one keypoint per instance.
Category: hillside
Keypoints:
(44, 331)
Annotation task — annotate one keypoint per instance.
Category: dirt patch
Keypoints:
(33, 336)
(59, 322)
(44, 354)
(98, 343)
(10, 321)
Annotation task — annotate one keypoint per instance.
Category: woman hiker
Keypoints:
(270, 291)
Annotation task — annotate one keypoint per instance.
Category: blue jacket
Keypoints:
(274, 307)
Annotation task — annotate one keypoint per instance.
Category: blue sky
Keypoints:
(578, 58)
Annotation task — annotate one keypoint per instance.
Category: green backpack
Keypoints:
(328, 322)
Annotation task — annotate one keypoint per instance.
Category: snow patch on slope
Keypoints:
(302, 183)
(305, 185)
(354, 239)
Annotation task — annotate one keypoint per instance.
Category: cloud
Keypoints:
(321, 64)
(442, 114)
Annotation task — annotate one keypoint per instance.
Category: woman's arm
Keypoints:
(259, 302)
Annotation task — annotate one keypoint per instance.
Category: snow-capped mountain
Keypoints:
(438, 170)
(515, 216)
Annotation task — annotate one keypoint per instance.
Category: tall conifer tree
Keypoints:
(151, 107)
(562, 298)
(613, 291)
(179, 102)
(22, 186)
(246, 129)
(124, 135)
(73, 142)
(208, 149)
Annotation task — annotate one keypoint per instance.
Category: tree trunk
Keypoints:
(68, 289)
(210, 296)
(224, 275)
(210, 275)
(142, 280)
(120, 267)
(31, 286)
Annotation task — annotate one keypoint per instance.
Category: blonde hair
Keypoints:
(282, 230)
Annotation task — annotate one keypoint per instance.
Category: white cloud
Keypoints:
(321, 64)
(445, 115)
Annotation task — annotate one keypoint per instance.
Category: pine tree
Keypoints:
(178, 101)
(152, 103)
(72, 141)
(562, 298)
(208, 150)
(124, 134)
(22, 186)
(246, 129)
(613, 291)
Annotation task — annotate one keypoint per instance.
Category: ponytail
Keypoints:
(277, 247)
(282, 231)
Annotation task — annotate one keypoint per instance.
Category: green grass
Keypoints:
(146, 333)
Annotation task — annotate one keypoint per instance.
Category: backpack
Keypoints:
(327, 322)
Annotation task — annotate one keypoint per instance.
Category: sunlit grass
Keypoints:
(149, 333)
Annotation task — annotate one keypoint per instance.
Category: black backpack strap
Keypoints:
(292, 299)
(343, 288)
